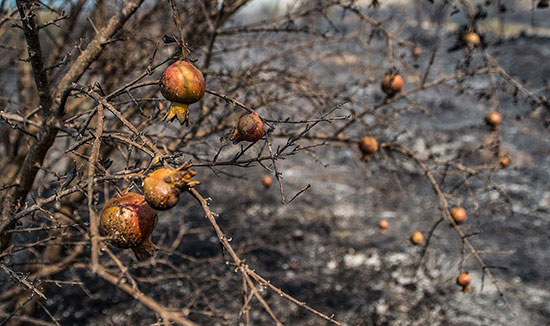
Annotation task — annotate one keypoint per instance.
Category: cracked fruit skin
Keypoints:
(163, 186)
(459, 214)
(129, 221)
(182, 84)
(249, 128)
(392, 84)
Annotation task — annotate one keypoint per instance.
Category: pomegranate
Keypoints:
(459, 214)
(416, 51)
(267, 181)
(417, 238)
(493, 119)
(505, 161)
(129, 221)
(471, 39)
(163, 187)
(392, 84)
(250, 128)
(182, 84)
(368, 145)
(383, 224)
(464, 279)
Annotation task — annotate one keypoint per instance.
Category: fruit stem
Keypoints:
(145, 250)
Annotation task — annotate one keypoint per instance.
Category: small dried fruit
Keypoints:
(459, 214)
(182, 84)
(392, 84)
(129, 221)
(471, 39)
(267, 181)
(417, 51)
(383, 224)
(417, 238)
(163, 186)
(368, 145)
(464, 279)
(505, 161)
(249, 128)
(493, 119)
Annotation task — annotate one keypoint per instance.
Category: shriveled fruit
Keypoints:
(417, 238)
(464, 280)
(163, 186)
(459, 214)
(383, 224)
(129, 221)
(249, 128)
(267, 181)
(505, 161)
(417, 51)
(392, 84)
(368, 145)
(471, 39)
(182, 84)
(493, 119)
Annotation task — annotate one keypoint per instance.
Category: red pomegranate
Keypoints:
(249, 128)
(129, 221)
(182, 84)
(163, 186)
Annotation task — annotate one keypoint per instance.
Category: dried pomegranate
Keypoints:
(464, 280)
(493, 119)
(163, 187)
(417, 238)
(383, 224)
(267, 181)
(471, 39)
(459, 214)
(250, 128)
(182, 84)
(505, 161)
(368, 145)
(392, 84)
(129, 221)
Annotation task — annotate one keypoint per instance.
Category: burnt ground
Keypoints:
(325, 248)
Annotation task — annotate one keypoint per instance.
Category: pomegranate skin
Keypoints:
(392, 84)
(182, 84)
(129, 221)
(249, 128)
